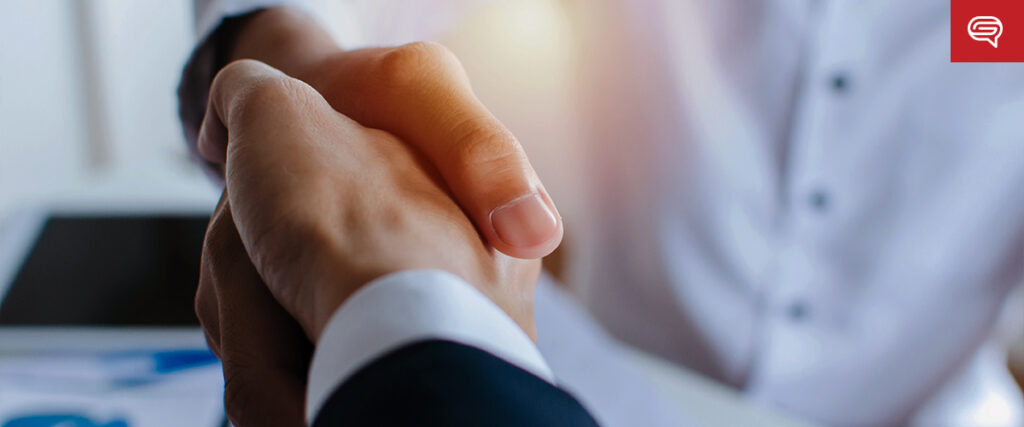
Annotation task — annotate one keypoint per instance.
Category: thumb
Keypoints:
(420, 93)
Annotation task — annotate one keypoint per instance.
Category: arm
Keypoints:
(443, 383)
(452, 358)
(325, 210)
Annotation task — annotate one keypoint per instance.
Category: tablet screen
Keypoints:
(109, 271)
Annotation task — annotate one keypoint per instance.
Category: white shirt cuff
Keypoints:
(406, 307)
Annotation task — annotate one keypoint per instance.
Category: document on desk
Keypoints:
(595, 367)
(123, 388)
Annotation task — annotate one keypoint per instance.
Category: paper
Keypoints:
(123, 388)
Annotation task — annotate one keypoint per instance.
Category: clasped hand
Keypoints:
(315, 207)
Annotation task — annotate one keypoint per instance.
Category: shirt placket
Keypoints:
(795, 299)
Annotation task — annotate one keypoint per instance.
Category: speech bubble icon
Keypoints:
(986, 29)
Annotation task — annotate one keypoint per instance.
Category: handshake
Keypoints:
(320, 206)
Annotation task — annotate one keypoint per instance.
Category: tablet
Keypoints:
(87, 269)
(97, 326)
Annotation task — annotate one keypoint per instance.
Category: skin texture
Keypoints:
(263, 350)
(420, 93)
(317, 205)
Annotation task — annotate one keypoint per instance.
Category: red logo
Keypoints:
(986, 30)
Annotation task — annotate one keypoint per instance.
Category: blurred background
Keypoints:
(88, 114)
(91, 149)
(88, 111)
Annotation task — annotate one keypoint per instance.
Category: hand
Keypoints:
(324, 205)
(420, 93)
(264, 353)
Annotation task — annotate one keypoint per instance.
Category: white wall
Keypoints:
(88, 107)
(42, 135)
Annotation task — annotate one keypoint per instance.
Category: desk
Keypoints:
(622, 386)
(701, 402)
(108, 375)
(708, 403)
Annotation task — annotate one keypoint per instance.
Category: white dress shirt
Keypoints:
(804, 199)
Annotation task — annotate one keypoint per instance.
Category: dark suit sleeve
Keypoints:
(442, 383)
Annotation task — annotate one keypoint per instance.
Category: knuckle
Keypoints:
(272, 95)
(219, 224)
(413, 63)
(206, 310)
(238, 69)
(486, 145)
(218, 244)
(202, 303)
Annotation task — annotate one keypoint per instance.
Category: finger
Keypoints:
(276, 129)
(230, 82)
(264, 352)
(420, 93)
(207, 303)
(232, 88)
(213, 139)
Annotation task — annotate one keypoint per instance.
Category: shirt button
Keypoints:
(820, 200)
(840, 82)
(797, 311)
